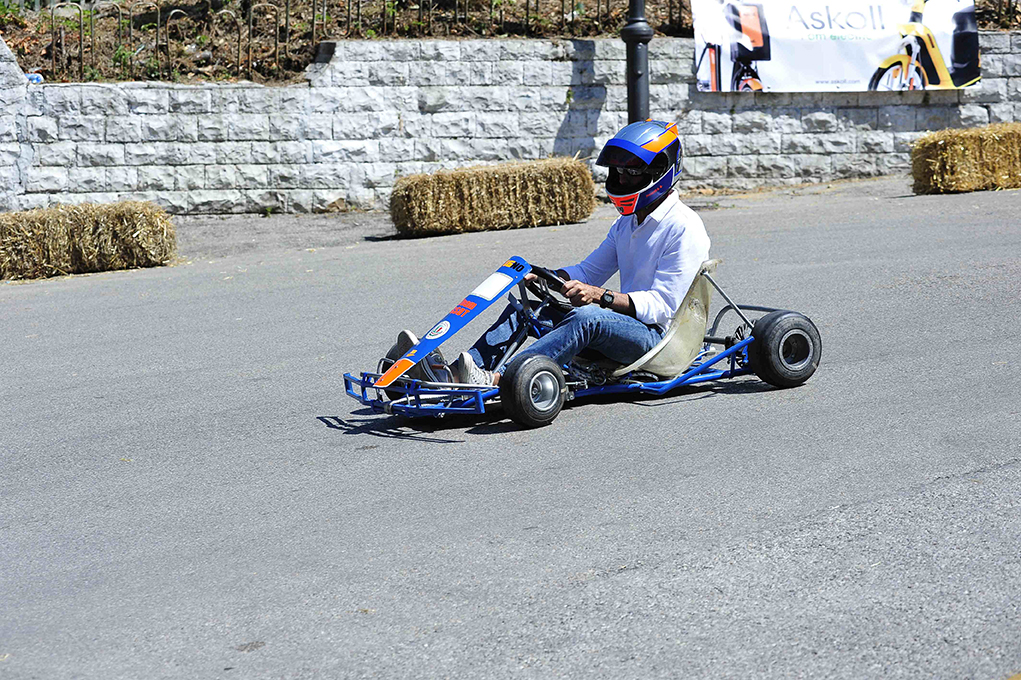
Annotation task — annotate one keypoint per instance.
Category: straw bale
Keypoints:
(951, 161)
(75, 239)
(504, 196)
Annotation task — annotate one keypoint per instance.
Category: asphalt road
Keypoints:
(187, 493)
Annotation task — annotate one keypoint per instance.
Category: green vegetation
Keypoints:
(10, 17)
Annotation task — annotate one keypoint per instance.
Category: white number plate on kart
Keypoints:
(493, 286)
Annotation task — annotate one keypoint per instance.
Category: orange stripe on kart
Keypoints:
(663, 141)
(396, 371)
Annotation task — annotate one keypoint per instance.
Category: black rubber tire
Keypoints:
(532, 390)
(880, 72)
(786, 350)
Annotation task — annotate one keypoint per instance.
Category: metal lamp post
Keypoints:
(637, 34)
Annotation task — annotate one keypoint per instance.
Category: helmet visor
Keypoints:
(615, 156)
(622, 181)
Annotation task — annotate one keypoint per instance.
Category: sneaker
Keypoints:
(405, 341)
(433, 368)
(436, 367)
(466, 371)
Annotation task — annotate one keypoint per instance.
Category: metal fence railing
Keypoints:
(376, 18)
(145, 39)
(263, 40)
(356, 12)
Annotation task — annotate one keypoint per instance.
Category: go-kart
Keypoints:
(781, 347)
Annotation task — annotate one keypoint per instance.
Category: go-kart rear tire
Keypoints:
(532, 391)
(786, 350)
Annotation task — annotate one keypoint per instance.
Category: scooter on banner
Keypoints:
(746, 23)
(711, 50)
(919, 64)
(752, 46)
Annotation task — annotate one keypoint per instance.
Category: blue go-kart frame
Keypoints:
(789, 357)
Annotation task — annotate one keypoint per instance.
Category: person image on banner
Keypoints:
(820, 46)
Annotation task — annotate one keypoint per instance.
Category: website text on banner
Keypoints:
(819, 46)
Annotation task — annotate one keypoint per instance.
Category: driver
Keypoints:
(657, 245)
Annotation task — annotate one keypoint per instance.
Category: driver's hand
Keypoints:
(581, 294)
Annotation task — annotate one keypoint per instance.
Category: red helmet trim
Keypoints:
(625, 204)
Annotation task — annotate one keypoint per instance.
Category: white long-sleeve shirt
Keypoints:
(657, 259)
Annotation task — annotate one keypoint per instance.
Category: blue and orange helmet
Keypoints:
(651, 148)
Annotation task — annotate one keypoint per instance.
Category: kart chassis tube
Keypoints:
(696, 374)
(727, 298)
(472, 400)
(449, 397)
(710, 337)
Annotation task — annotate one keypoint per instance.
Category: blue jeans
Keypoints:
(616, 336)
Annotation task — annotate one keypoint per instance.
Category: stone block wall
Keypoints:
(13, 87)
(372, 111)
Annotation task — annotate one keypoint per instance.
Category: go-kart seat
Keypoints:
(684, 337)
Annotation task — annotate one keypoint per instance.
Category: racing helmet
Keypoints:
(650, 149)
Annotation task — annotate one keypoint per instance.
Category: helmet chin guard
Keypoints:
(629, 204)
(650, 148)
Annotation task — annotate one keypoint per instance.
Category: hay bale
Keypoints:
(75, 239)
(953, 161)
(505, 196)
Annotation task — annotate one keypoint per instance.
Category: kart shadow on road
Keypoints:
(420, 429)
(388, 427)
(494, 422)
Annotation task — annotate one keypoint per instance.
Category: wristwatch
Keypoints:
(606, 299)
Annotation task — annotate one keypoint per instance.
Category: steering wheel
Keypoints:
(547, 288)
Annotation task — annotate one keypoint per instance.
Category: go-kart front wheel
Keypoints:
(786, 350)
(532, 391)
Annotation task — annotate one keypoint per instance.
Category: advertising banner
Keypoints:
(820, 46)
